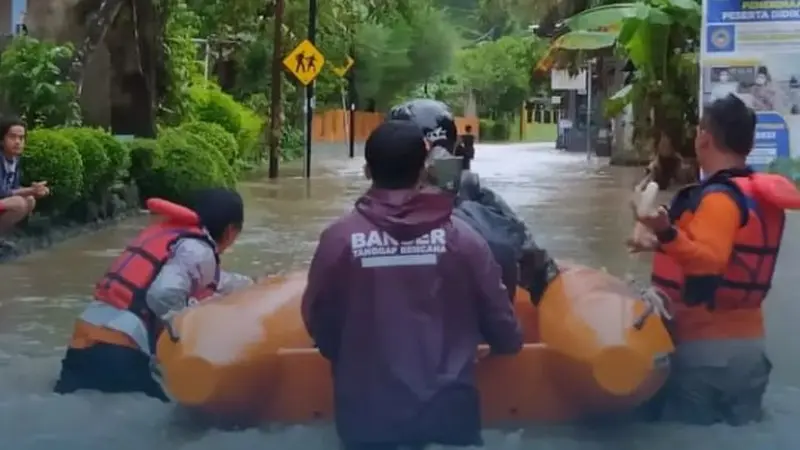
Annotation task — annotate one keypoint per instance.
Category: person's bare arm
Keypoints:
(23, 192)
(232, 281)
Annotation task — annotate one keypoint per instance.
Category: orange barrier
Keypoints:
(248, 356)
(331, 126)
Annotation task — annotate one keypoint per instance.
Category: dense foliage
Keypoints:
(216, 83)
(444, 49)
(33, 82)
(660, 39)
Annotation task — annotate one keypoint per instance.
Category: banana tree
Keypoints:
(660, 39)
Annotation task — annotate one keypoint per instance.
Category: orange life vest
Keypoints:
(736, 295)
(125, 283)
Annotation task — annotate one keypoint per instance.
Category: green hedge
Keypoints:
(213, 135)
(181, 160)
(94, 157)
(118, 155)
(186, 166)
(495, 130)
(146, 157)
(210, 105)
(53, 157)
(83, 165)
(77, 163)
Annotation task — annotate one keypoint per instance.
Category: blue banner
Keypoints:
(735, 11)
(751, 49)
(772, 140)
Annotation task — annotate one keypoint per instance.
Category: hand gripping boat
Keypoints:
(592, 347)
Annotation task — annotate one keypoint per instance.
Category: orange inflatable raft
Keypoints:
(592, 347)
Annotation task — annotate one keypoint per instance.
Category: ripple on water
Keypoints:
(32, 418)
(106, 253)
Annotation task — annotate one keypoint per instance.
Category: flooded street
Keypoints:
(576, 209)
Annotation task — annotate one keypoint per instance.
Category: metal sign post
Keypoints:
(589, 110)
(312, 37)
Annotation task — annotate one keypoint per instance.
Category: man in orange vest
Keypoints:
(170, 265)
(715, 254)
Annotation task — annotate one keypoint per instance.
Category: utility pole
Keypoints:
(589, 72)
(351, 91)
(275, 96)
(312, 37)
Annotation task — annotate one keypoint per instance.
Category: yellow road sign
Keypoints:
(305, 62)
(341, 71)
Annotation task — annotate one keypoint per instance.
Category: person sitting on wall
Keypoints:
(466, 147)
(16, 202)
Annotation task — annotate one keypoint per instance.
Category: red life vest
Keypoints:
(127, 280)
(763, 199)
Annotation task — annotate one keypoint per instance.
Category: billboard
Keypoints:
(561, 80)
(751, 48)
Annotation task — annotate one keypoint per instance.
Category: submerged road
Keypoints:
(576, 209)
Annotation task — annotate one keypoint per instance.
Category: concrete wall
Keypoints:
(56, 20)
(51, 19)
(5, 17)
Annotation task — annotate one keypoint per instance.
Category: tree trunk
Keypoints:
(96, 30)
(275, 97)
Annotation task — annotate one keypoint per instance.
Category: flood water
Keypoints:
(577, 209)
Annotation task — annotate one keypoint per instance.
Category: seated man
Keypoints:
(169, 266)
(523, 263)
(16, 202)
(400, 293)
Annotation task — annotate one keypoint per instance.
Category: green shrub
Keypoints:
(250, 137)
(228, 172)
(94, 158)
(292, 143)
(170, 137)
(485, 127)
(146, 158)
(494, 130)
(501, 130)
(211, 105)
(51, 157)
(119, 160)
(182, 137)
(185, 167)
(32, 82)
(213, 135)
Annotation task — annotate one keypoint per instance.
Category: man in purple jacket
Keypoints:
(400, 293)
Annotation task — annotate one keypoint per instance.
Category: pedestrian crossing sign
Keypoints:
(304, 62)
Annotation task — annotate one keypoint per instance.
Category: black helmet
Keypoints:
(433, 117)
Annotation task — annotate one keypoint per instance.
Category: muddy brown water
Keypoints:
(577, 209)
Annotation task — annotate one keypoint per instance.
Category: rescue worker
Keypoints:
(171, 264)
(716, 250)
(400, 293)
(523, 262)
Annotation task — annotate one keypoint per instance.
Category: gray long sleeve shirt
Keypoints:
(192, 266)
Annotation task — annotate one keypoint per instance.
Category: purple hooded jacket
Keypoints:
(400, 293)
